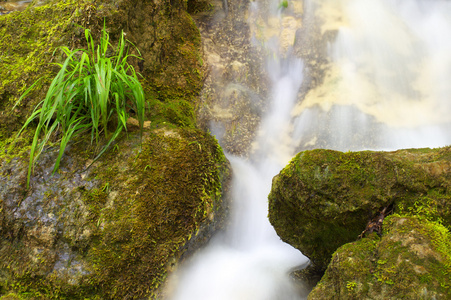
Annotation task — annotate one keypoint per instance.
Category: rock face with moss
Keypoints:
(412, 260)
(234, 93)
(116, 228)
(324, 199)
(163, 32)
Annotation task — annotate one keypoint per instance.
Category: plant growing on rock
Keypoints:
(90, 90)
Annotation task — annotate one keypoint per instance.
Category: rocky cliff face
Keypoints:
(233, 97)
(113, 230)
(325, 199)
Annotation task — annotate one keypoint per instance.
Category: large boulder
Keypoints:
(324, 199)
(412, 260)
(115, 228)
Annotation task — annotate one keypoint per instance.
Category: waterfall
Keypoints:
(249, 261)
(386, 86)
(383, 84)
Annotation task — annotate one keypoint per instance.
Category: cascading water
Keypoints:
(386, 86)
(383, 86)
(249, 261)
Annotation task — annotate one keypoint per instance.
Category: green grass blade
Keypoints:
(33, 116)
(75, 127)
(112, 139)
(37, 147)
(27, 91)
(121, 112)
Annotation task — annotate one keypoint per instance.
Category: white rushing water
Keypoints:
(249, 261)
(387, 86)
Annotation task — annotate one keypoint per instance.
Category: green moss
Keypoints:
(417, 256)
(29, 286)
(431, 207)
(150, 215)
(353, 258)
(177, 69)
(27, 42)
(324, 198)
(172, 70)
(35, 278)
(410, 261)
(179, 113)
(11, 296)
(146, 203)
(325, 184)
(197, 6)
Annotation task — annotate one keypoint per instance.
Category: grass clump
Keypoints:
(91, 89)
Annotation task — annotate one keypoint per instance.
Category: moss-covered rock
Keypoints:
(412, 260)
(324, 199)
(11, 296)
(115, 230)
(27, 42)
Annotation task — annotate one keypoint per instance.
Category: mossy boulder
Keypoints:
(114, 230)
(324, 199)
(412, 260)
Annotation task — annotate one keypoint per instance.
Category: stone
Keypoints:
(324, 199)
(116, 229)
(412, 260)
(111, 228)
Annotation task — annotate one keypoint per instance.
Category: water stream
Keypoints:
(384, 85)
(249, 261)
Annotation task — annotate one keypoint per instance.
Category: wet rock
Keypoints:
(113, 230)
(324, 199)
(311, 43)
(232, 99)
(10, 6)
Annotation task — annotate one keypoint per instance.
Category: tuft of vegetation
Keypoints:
(90, 90)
